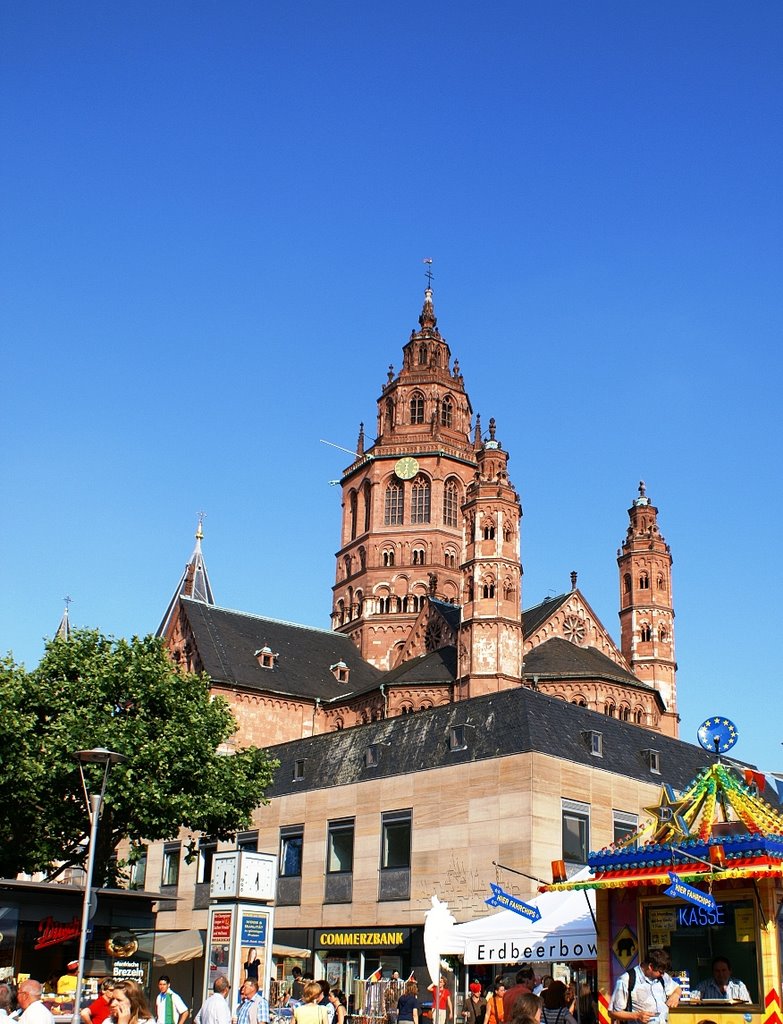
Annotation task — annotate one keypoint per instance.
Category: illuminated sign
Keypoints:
(388, 938)
(690, 917)
(52, 933)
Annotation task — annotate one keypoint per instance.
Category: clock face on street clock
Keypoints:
(257, 876)
(224, 875)
(406, 468)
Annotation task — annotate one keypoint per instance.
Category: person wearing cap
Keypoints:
(66, 983)
(475, 1007)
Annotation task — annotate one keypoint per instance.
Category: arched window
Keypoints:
(508, 590)
(450, 559)
(363, 558)
(367, 505)
(341, 611)
(418, 556)
(580, 702)
(383, 605)
(645, 634)
(488, 530)
(450, 503)
(627, 583)
(393, 504)
(388, 557)
(347, 563)
(359, 603)
(339, 724)
(609, 709)
(417, 407)
(663, 634)
(488, 588)
(660, 582)
(422, 355)
(446, 412)
(644, 581)
(420, 500)
(389, 414)
(508, 534)
(637, 716)
(625, 713)
(406, 709)
(354, 505)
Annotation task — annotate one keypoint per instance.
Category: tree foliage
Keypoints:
(94, 691)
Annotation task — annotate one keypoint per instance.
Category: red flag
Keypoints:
(375, 976)
(411, 977)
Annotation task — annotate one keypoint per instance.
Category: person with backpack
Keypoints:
(647, 992)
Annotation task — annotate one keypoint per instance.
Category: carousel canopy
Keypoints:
(720, 827)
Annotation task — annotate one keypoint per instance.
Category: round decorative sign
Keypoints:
(717, 734)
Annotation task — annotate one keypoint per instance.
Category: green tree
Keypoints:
(94, 691)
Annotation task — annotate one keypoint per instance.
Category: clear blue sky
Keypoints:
(214, 217)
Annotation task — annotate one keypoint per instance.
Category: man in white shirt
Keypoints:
(169, 1007)
(647, 992)
(29, 998)
(722, 985)
(216, 1009)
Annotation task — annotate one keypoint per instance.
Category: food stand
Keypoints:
(702, 879)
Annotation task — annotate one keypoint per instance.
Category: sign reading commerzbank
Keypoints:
(338, 939)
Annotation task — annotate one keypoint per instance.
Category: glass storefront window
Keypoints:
(694, 936)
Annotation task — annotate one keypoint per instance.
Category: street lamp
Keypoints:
(102, 756)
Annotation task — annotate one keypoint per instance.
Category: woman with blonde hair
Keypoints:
(310, 1012)
(128, 1003)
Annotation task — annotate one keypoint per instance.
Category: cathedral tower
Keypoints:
(402, 534)
(490, 638)
(646, 608)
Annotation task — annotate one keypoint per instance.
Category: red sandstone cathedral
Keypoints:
(427, 599)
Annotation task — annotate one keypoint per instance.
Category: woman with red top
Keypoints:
(442, 1010)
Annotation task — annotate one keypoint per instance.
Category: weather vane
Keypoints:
(428, 272)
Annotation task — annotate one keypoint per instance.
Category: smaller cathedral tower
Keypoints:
(646, 608)
(490, 638)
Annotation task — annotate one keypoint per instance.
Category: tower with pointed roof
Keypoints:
(490, 636)
(402, 537)
(646, 608)
(194, 582)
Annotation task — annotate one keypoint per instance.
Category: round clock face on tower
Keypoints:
(406, 468)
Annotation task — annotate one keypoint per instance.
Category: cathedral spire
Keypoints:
(64, 629)
(427, 319)
(194, 581)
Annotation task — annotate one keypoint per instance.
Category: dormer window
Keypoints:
(266, 658)
(653, 759)
(595, 742)
(299, 770)
(371, 756)
(340, 671)
(457, 738)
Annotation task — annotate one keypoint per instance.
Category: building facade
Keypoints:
(438, 737)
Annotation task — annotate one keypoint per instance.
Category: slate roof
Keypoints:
(560, 659)
(227, 642)
(452, 613)
(533, 618)
(498, 725)
(435, 667)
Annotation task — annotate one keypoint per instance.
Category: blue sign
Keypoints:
(253, 932)
(680, 890)
(508, 902)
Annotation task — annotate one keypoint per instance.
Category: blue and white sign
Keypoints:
(499, 898)
(680, 890)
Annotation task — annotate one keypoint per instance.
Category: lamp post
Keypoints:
(102, 756)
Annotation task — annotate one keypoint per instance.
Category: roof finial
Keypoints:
(573, 580)
(428, 318)
(642, 489)
(360, 442)
(200, 527)
(492, 428)
(477, 432)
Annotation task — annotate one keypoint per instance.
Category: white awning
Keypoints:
(278, 949)
(175, 947)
